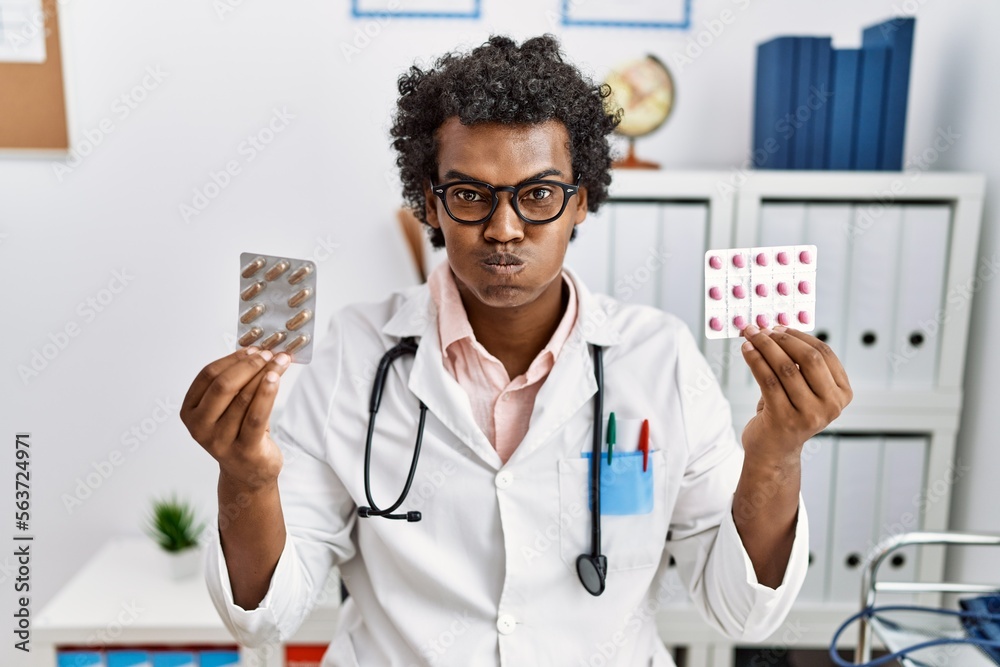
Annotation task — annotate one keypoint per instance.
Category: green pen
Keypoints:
(611, 435)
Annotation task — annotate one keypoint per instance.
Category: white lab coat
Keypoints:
(488, 576)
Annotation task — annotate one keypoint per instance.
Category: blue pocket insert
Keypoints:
(625, 488)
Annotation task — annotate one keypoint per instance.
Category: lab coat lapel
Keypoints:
(431, 382)
(569, 385)
(571, 381)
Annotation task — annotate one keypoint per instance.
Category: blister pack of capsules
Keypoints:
(768, 287)
(277, 297)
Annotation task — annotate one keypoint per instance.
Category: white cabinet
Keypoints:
(897, 261)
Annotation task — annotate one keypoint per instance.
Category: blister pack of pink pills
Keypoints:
(768, 287)
(276, 305)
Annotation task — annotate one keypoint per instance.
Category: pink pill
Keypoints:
(805, 257)
(783, 319)
(762, 321)
(739, 291)
(761, 289)
(715, 262)
(739, 261)
(804, 287)
(715, 293)
(782, 257)
(761, 259)
(740, 322)
(715, 324)
(804, 316)
(783, 289)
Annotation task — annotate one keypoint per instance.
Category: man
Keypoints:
(502, 152)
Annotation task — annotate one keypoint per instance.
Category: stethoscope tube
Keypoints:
(405, 346)
(593, 567)
(595, 469)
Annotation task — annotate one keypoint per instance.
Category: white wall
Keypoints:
(326, 180)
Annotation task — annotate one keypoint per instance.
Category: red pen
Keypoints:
(644, 443)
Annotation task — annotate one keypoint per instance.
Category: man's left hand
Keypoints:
(803, 388)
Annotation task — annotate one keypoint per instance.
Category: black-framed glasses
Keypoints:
(536, 202)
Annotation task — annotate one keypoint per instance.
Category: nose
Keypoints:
(504, 226)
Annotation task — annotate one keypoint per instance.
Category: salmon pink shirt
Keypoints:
(501, 406)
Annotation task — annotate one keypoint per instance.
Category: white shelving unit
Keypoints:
(730, 206)
(735, 203)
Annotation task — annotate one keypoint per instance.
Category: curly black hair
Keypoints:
(500, 82)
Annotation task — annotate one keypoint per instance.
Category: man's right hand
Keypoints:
(227, 410)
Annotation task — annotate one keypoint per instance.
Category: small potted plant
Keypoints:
(172, 525)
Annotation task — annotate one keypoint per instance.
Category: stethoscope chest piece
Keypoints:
(591, 570)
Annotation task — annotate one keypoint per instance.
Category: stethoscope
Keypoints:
(590, 567)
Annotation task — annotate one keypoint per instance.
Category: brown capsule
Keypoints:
(272, 340)
(300, 297)
(297, 344)
(299, 319)
(253, 267)
(253, 290)
(251, 336)
(300, 274)
(253, 313)
(275, 271)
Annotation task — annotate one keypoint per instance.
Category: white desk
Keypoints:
(124, 596)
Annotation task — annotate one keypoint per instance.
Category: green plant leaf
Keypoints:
(172, 524)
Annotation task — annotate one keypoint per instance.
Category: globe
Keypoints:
(644, 90)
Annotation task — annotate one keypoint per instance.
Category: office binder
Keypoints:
(801, 113)
(782, 223)
(304, 655)
(923, 258)
(900, 503)
(174, 659)
(218, 658)
(826, 227)
(636, 237)
(871, 101)
(822, 91)
(589, 254)
(683, 242)
(817, 488)
(79, 659)
(896, 35)
(872, 293)
(129, 658)
(776, 77)
(842, 123)
(855, 498)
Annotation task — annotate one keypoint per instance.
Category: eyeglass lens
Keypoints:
(473, 202)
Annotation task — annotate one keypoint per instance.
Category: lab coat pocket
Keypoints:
(625, 487)
(634, 518)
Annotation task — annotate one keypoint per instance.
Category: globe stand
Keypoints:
(631, 161)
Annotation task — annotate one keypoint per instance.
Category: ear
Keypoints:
(430, 206)
(580, 205)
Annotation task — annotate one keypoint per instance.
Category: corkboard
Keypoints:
(32, 100)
